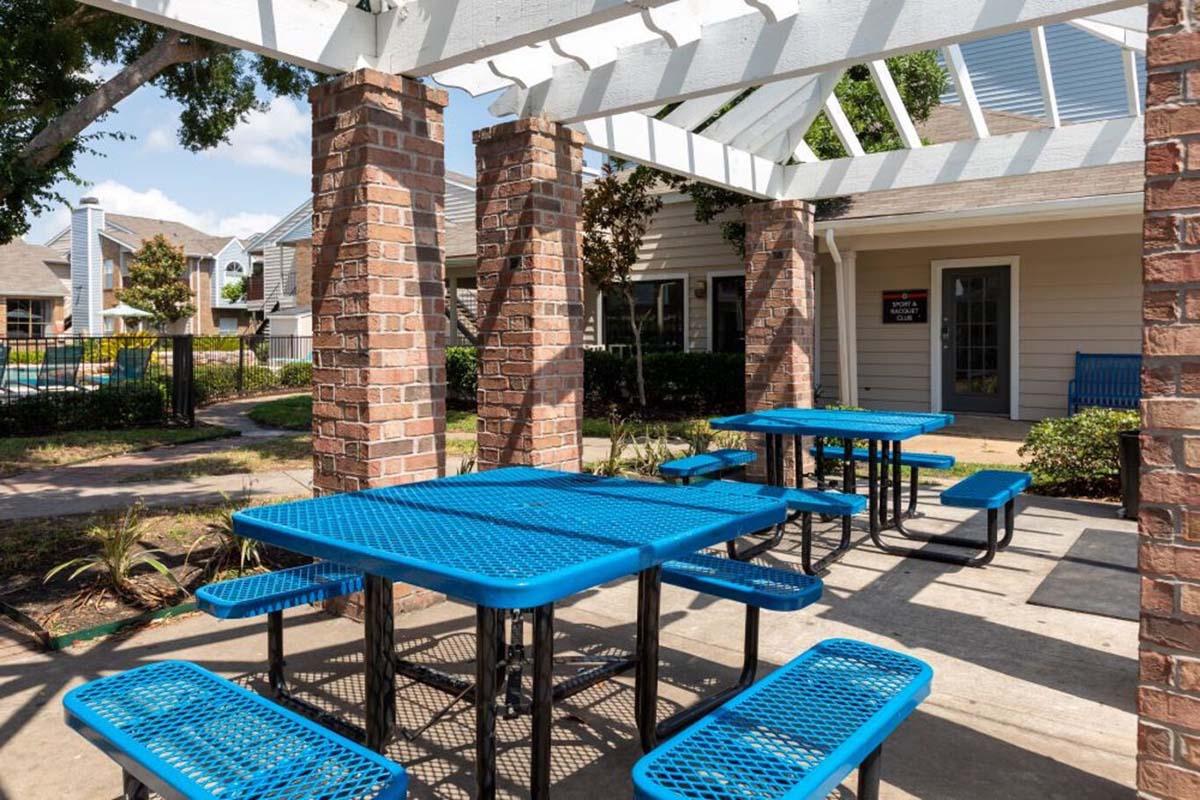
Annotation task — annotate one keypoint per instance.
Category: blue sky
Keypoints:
(237, 188)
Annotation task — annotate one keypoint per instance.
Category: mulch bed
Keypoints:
(31, 548)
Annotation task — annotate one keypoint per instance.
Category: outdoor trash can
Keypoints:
(1131, 465)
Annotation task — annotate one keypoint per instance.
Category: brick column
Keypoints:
(780, 258)
(379, 393)
(1169, 680)
(529, 178)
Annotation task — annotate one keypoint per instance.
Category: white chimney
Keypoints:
(87, 263)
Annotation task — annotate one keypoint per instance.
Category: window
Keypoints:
(660, 306)
(108, 273)
(728, 295)
(110, 325)
(26, 318)
(228, 326)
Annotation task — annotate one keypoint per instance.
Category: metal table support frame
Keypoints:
(993, 544)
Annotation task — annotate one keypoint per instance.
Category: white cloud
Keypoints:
(121, 199)
(278, 138)
(160, 140)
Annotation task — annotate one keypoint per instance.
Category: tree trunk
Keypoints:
(170, 50)
(636, 325)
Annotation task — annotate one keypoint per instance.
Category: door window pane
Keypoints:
(658, 304)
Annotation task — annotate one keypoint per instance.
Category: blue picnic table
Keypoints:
(884, 432)
(508, 539)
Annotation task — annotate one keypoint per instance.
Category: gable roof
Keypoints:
(132, 231)
(25, 270)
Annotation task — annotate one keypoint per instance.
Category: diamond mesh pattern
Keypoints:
(510, 538)
(888, 426)
(254, 595)
(706, 463)
(795, 734)
(765, 587)
(204, 737)
(990, 488)
(922, 460)
(811, 500)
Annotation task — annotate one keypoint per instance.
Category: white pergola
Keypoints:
(609, 68)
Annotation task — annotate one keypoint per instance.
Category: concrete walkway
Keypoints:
(95, 486)
(1028, 702)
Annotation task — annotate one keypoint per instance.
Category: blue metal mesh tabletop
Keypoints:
(796, 733)
(185, 731)
(510, 538)
(835, 423)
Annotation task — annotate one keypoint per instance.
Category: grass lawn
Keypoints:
(23, 453)
(283, 452)
(289, 413)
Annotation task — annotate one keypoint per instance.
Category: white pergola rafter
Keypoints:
(824, 34)
(1041, 58)
(957, 66)
(695, 112)
(894, 102)
(1088, 144)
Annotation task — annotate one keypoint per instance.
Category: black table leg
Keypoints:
(543, 699)
(885, 457)
(897, 490)
(486, 656)
(380, 662)
(646, 690)
(820, 465)
(873, 486)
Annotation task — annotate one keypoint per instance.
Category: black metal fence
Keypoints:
(90, 382)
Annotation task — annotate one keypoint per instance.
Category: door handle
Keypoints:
(945, 334)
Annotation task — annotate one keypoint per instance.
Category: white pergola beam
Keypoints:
(776, 10)
(966, 90)
(895, 103)
(1089, 144)
(678, 23)
(525, 67)
(1124, 37)
(420, 37)
(755, 108)
(694, 112)
(649, 141)
(323, 35)
(1041, 57)
(1133, 88)
(790, 143)
(747, 50)
(585, 48)
(842, 127)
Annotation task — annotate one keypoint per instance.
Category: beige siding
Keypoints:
(1075, 294)
(827, 333)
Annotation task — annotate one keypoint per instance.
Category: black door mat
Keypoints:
(1098, 575)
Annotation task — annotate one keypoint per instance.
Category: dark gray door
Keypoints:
(976, 320)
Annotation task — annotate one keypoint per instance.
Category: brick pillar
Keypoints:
(1169, 680)
(379, 377)
(530, 282)
(780, 257)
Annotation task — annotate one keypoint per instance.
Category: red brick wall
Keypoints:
(379, 408)
(780, 334)
(1169, 681)
(530, 278)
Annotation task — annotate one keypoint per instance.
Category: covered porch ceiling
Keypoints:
(653, 81)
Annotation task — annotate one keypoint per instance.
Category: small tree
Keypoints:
(158, 282)
(235, 292)
(617, 211)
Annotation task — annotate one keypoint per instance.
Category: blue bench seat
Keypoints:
(1105, 380)
(989, 488)
(743, 582)
(907, 459)
(180, 731)
(713, 463)
(268, 592)
(795, 734)
(809, 501)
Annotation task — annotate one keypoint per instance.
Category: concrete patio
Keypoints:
(1027, 701)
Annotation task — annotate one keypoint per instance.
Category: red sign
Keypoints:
(905, 306)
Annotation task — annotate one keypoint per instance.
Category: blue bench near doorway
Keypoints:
(180, 731)
(1105, 380)
(795, 734)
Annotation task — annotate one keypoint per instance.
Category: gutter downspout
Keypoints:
(847, 356)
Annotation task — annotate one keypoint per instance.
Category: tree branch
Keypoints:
(170, 50)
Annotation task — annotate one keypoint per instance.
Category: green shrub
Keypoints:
(1078, 455)
(462, 367)
(216, 344)
(603, 382)
(214, 381)
(129, 405)
(296, 373)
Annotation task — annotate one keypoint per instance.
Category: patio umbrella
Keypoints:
(125, 311)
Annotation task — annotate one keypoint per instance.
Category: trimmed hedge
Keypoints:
(129, 405)
(677, 384)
